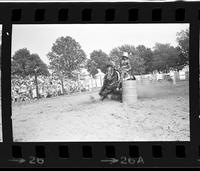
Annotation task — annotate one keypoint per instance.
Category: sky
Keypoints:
(40, 38)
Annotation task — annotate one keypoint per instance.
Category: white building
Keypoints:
(88, 82)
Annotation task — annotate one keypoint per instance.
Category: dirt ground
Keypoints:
(160, 114)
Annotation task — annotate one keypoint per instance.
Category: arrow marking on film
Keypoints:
(20, 161)
(111, 161)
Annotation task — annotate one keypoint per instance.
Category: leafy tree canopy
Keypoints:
(164, 57)
(147, 55)
(98, 60)
(136, 60)
(66, 56)
(92, 67)
(183, 49)
(23, 64)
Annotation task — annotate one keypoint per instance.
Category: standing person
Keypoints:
(126, 69)
(111, 84)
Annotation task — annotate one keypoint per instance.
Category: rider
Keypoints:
(111, 82)
(126, 69)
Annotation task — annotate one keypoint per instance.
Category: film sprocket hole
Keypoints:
(100, 84)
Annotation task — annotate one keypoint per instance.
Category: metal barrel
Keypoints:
(129, 92)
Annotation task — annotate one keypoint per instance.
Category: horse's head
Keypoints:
(110, 72)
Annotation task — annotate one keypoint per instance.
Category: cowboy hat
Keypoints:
(125, 54)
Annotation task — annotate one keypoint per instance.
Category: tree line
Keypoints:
(162, 58)
(66, 58)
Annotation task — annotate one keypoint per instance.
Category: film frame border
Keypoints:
(82, 13)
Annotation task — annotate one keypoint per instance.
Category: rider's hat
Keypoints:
(125, 55)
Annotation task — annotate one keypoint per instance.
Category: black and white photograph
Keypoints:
(199, 76)
(100, 82)
(1, 138)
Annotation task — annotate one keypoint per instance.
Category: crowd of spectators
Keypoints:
(24, 89)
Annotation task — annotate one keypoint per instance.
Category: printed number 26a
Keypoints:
(34, 160)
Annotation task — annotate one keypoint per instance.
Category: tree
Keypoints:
(25, 64)
(35, 62)
(117, 53)
(92, 67)
(183, 41)
(65, 57)
(137, 62)
(98, 60)
(147, 55)
(183, 49)
(19, 62)
(164, 57)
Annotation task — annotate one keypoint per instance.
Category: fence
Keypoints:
(24, 89)
(163, 77)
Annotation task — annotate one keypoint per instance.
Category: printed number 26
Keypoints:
(35, 160)
(125, 160)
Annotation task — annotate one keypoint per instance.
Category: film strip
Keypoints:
(111, 153)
